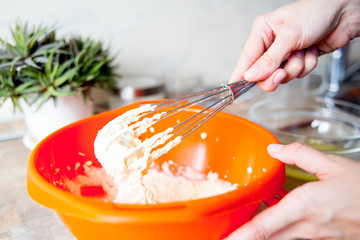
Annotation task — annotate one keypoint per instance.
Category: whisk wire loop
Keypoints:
(203, 119)
(218, 98)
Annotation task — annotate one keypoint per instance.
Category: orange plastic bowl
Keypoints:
(235, 148)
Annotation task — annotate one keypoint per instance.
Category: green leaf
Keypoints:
(35, 37)
(44, 50)
(4, 93)
(23, 86)
(44, 97)
(5, 65)
(7, 81)
(33, 89)
(87, 65)
(12, 48)
(79, 57)
(16, 103)
(54, 72)
(20, 40)
(49, 64)
(83, 94)
(97, 67)
(90, 77)
(68, 75)
(58, 93)
(64, 66)
(50, 46)
(31, 63)
(31, 73)
(2, 81)
(43, 80)
(14, 62)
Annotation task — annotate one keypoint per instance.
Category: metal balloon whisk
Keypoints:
(217, 99)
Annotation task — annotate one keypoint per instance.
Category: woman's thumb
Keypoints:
(304, 157)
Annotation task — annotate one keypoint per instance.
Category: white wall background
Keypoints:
(168, 39)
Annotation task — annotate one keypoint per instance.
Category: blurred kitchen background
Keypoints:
(184, 44)
(188, 39)
(187, 44)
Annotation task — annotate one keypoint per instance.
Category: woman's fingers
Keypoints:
(304, 157)
(288, 211)
(270, 61)
(299, 64)
(311, 60)
(294, 66)
(272, 82)
(307, 230)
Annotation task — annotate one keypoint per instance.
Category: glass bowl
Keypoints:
(329, 125)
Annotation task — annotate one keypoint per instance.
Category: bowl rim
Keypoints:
(38, 187)
(326, 100)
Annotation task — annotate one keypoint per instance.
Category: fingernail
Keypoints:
(275, 148)
(299, 53)
(251, 73)
(315, 50)
(279, 77)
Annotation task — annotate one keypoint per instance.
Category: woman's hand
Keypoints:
(325, 209)
(295, 33)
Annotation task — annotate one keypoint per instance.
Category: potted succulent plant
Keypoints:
(41, 73)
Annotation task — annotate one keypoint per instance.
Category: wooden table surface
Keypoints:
(21, 217)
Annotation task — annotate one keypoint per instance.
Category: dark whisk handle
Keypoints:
(240, 87)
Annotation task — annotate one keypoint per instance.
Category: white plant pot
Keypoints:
(52, 116)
